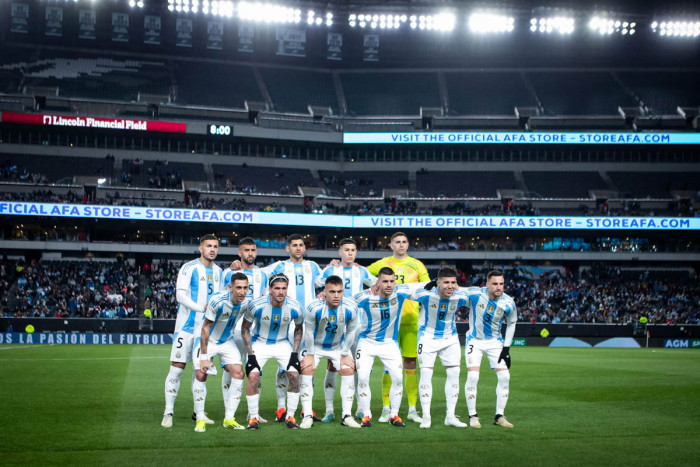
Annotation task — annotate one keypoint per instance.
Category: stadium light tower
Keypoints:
(563, 25)
(676, 28)
(484, 23)
(607, 26)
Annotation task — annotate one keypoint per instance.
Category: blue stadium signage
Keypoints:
(10, 208)
(479, 137)
(83, 338)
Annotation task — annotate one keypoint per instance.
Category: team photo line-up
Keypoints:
(296, 313)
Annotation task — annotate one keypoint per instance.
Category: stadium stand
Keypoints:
(479, 184)
(663, 92)
(47, 169)
(563, 184)
(486, 93)
(160, 174)
(244, 179)
(309, 88)
(579, 93)
(390, 93)
(363, 183)
(214, 84)
(656, 185)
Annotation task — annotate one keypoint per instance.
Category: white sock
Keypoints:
(502, 390)
(329, 389)
(364, 394)
(347, 394)
(199, 394)
(253, 405)
(292, 403)
(306, 392)
(282, 382)
(225, 386)
(396, 392)
(234, 395)
(172, 386)
(425, 390)
(451, 390)
(470, 391)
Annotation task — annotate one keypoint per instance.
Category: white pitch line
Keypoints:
(74, 359)
(12, 347)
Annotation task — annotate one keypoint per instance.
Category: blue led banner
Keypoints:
(83, 338)
(479, 137)
(357, 222)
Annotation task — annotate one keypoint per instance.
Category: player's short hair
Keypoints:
(246, 241)
(493, 273)
(293, 237)
(335, 280)
(238, 276)
(446, 271)
(398, 234)
(386, 271)
(347, 241)
(206, 237)
(277, 277)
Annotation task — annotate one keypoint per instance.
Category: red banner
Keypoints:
(93, 122)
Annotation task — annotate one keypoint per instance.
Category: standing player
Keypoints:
(488, 310)
(330, 330)
(379, 332)
(257, 287)
(225, 309)
(272, 315)
(437, 336)
(408, 270)
(197, 281)
(353, 277)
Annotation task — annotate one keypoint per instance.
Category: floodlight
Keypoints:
(548, 25)
(490, 23)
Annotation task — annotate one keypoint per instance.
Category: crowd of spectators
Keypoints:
(599, 294)
(74, 288)
(10, 172)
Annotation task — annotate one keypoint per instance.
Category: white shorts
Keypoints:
(240, 345)
(181, 350)
(448, 350)
(333, 356)
(388, 352)
(280, 351)
(228, 353)
(475, 348)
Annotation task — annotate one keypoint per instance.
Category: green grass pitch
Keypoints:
(102, 405)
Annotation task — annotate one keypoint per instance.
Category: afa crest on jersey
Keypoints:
(443, 307)
(490, 308)
(275, 317)
(331, 319)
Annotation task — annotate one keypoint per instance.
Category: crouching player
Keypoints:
(224, 310)
(272, 316)
(330, 329)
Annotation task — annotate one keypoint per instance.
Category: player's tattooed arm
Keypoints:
(298, 334)
(245, 335)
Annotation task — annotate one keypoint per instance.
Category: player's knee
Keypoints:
(237, 373)
(409, 363)
(472, 378)
(503, 376)
(346, 372)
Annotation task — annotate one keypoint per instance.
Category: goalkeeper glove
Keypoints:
(251, 364)
(505, 356)
(430, 285)
(294, 362)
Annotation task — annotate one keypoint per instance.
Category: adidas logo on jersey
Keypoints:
(433, 305)
(480, 306)
(201, 279)
(266, 318)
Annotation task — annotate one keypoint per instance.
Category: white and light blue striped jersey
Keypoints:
(270, 324)
(225, 316)
(257, 281)
(486, 316)
(436, 318)
(331, 329)
(353, 278)
(302, 278)
(198, 283)
(380, 317)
